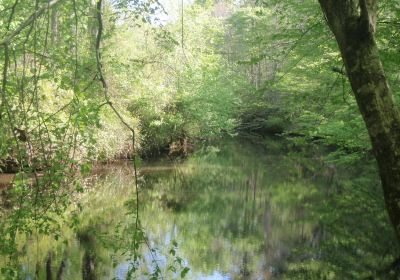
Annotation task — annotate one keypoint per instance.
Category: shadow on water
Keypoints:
(236, 211)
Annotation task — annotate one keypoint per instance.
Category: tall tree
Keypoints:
(353, 22)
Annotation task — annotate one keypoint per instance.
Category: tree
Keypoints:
(353, 24)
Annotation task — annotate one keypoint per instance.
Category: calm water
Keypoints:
(235, 210)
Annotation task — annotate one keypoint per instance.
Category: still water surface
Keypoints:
(235, 210)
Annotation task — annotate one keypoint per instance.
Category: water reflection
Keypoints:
(236, 211)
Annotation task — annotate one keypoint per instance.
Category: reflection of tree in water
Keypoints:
(232, 195)
(284, 194)
(249, 186)
(248, 217)
(63, 267)
(87, 240)
(51, 268)
(89, 266)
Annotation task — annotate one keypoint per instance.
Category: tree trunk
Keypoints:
(92, 24)
(54, 25)
(353, 24)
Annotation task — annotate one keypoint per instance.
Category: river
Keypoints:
(233, 210)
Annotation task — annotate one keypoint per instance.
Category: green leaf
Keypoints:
(184, 272)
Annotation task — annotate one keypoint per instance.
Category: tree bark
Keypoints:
(353, 23)
(54, 25)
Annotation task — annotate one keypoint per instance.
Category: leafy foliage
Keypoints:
(220, 68)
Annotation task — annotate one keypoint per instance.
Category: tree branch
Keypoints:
(28, 21)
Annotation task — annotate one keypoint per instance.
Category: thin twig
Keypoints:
(28, 21)
(107, 98)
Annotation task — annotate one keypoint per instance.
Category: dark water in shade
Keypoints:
(236, 211)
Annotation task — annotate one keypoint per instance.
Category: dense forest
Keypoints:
(199, 139)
